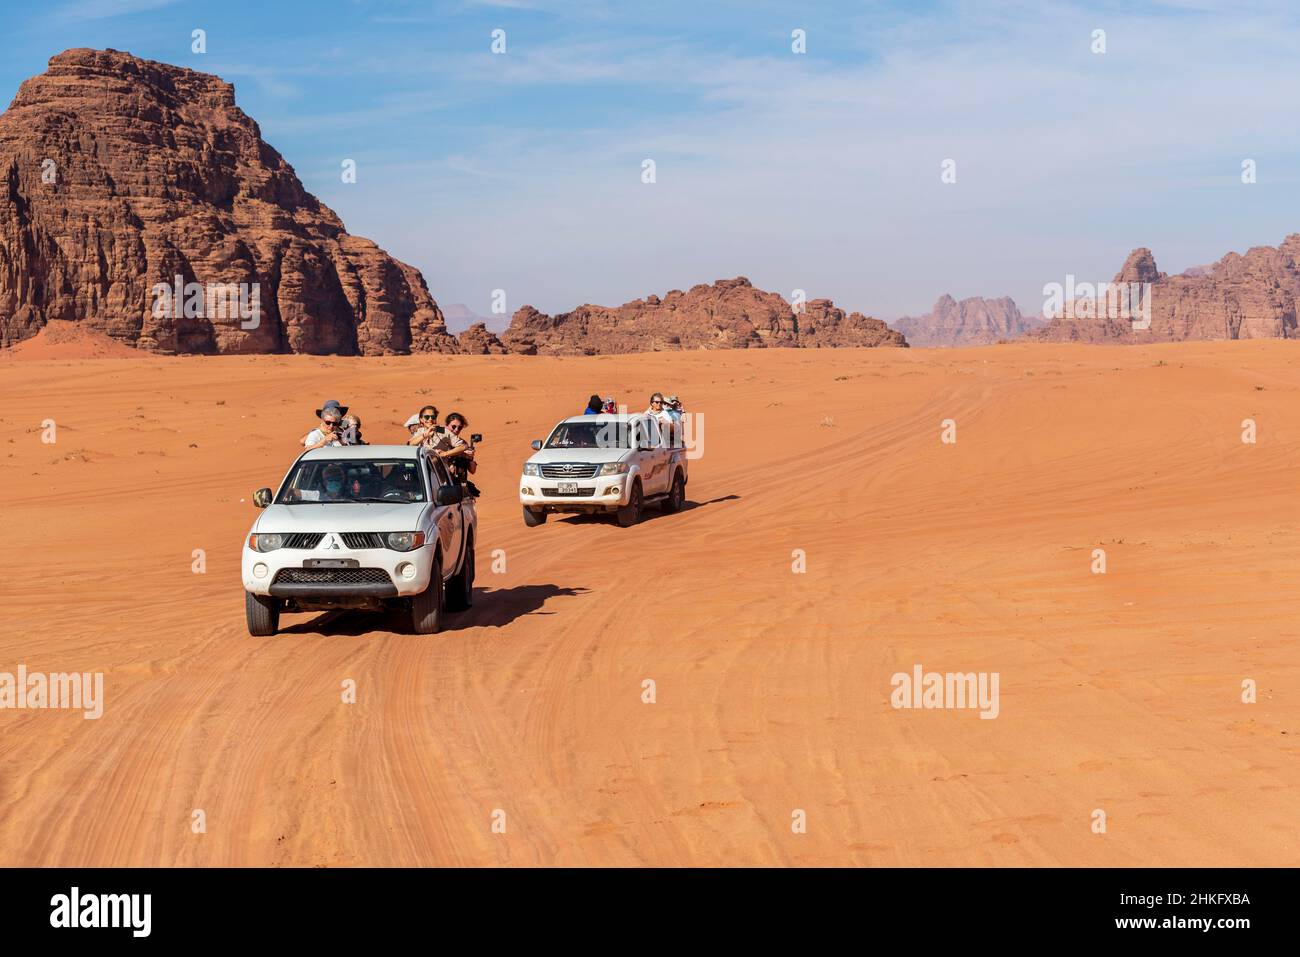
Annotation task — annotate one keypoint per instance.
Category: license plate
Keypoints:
(568, 488)
(331, 563)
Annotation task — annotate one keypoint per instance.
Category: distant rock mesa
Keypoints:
(727, 314)
(972, 322)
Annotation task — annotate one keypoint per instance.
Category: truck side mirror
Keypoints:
(450, 494)
(537, 444)
(262, 497)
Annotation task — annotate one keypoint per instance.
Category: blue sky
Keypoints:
(819, 171)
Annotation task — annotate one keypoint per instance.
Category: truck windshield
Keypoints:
(322, 481)
(591, 435)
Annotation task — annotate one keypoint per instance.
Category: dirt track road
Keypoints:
(1119, 692)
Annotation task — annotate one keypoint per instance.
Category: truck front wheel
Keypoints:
(629, 514)
(534, 518)
(263, 614)
(426, 607)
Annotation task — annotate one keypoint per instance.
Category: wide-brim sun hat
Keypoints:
(332, 405)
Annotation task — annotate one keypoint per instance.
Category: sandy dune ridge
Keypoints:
(1119, 692)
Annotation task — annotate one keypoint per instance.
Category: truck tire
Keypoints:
(263, 614)
(426, 607)
(629, 514)
(460, 587)
(676, 497)
(533, 519)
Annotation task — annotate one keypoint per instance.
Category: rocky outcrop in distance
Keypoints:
(971, 322)
(726, 314)
(1250, 296)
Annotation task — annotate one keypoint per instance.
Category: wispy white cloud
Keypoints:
(105, 9)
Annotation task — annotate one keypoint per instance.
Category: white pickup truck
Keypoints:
(365, 526)
(605, 463)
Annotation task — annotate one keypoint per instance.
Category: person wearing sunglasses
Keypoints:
(456, 448)
(660, 409)
(426, 432)
(329, 432)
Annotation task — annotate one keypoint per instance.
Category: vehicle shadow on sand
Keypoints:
(497, 607)
(493, 608)
(688, 505)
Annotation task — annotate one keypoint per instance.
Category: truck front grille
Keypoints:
(331, 576)
(570, 470)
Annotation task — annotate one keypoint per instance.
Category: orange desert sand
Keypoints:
(1120, 692)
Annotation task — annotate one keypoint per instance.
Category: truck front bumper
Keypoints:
(601, 493)
(377, 572)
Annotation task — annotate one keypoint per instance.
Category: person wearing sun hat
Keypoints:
(329, 432)
(331, 404)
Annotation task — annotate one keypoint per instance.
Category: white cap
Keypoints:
(413, 420)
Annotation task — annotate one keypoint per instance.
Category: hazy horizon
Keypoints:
(821, 171)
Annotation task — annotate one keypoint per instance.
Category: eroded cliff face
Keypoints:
(727, 314)
(118, 175)
(1251, 296)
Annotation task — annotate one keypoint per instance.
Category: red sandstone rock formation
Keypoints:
(478, 340)
(729, 314)
(1240, 297)
(118, 174)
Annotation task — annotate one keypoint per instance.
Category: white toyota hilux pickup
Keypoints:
(368, 526)
(605, 463)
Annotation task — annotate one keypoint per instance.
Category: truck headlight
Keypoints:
(404, 541)
(266, 542)
(613, 468)
(531, 468)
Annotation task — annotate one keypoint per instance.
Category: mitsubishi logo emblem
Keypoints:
(334, 542)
